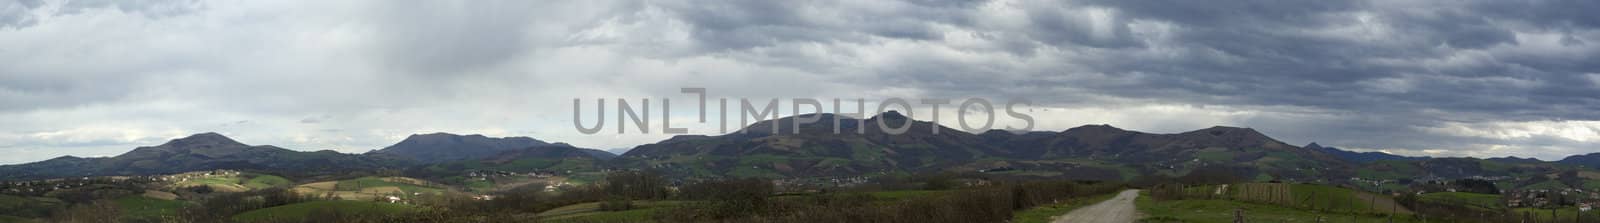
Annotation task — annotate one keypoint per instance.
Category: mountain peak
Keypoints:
(440, 146)
(1100, 127)
(1229, 131)
(1313, 145)
(891, 115)
(209, 138)
(434, 135)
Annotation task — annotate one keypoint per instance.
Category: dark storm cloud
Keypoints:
(1410, 64)
(736, 25)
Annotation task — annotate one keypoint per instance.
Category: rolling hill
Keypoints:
(774, 148)
(1359, 157)
(205, 151)
(1591, 160)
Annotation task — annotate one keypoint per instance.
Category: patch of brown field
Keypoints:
(163, 195)
(382, 190)
(230, 188)
(405, 180)
(324, 186)
(352, 195)
(1589, 175)
(519, 183)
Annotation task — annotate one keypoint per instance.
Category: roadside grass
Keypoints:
(1303, 196)
(298, 212)
(1222, 211)
(1047, 213)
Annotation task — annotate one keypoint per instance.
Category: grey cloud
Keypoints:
(1371, 74)
(450, 37)
(1453, 59)
(18, 13)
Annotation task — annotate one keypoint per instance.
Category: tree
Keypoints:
(639, 185)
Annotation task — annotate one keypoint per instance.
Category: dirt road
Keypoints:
(1118, 209)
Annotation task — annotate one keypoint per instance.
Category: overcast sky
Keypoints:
(1413, 77)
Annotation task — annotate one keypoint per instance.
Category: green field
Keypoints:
(266, 181)
(236, 183)
(1222, 211)
(141, 207)
(364, 183)
(1305, 196)
(295, 212)
(1045, 213)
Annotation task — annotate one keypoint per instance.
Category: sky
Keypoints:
(1413, 77)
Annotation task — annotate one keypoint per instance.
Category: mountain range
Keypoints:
(205, 151)
(780, 149)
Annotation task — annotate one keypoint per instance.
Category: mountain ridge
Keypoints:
(777, 149)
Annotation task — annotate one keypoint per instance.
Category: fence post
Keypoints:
(1238, 215)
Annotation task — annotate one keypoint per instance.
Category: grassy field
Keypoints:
(266, 181)
(1046, 213)
(1222, 211)
(407, 185)
(299, 211)
(141, 207)
(366, 188)
(236, 183)
(1304, 196)
(223, 183)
